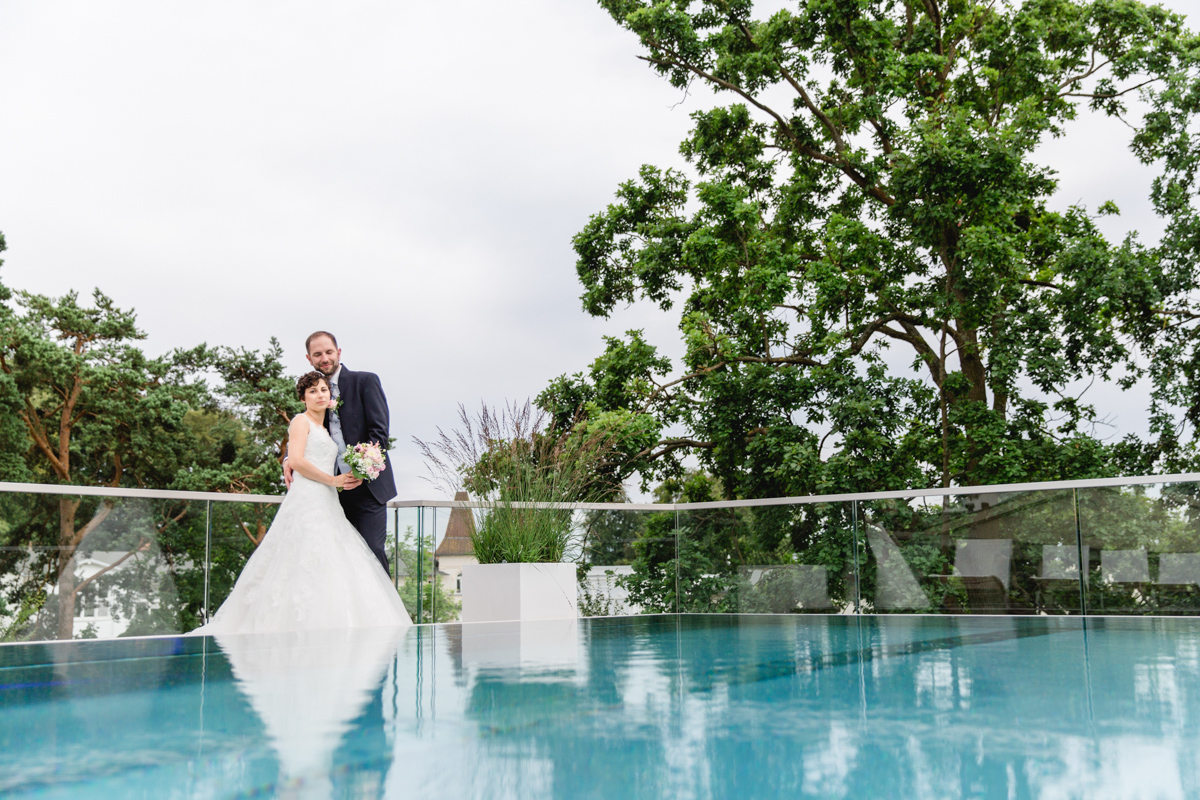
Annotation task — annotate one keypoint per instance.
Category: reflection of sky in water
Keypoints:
(636, 707)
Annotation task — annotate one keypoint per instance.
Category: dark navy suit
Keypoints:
(363, 413)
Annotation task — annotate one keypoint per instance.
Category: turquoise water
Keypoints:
(647, 707)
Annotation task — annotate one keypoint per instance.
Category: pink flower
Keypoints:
(366, 460)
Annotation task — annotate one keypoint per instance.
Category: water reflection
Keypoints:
(274, 716)
(317, 693)
(765, 706)
(97, 719)
(695, 706)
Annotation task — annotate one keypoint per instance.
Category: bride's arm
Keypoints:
(297, 439)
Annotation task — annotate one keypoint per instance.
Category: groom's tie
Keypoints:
(335, 433)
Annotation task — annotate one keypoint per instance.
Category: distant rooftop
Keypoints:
(458, 532)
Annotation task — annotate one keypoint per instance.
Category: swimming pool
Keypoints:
(671, 706)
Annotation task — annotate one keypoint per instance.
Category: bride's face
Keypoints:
(316, 398)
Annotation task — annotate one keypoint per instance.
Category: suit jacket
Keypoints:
(363, 412)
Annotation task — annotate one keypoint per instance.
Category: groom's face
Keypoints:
(324, 355)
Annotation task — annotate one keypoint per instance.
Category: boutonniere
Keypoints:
(335, 403)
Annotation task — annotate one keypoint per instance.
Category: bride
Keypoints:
(312, 571)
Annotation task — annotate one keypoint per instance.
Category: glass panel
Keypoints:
(612, 545)
(1014, 553)
(93, 567)
(448, 532)
(237, 530)
(767, 560)
(1142, 546)
(640, 577)
(427, 596)
(402, 555)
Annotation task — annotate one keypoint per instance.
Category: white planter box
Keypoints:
(500, 592)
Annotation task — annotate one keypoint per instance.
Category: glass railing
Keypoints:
(110, 563)
(1095, 547)
(985, 553)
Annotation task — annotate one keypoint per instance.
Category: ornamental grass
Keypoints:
(526, 474)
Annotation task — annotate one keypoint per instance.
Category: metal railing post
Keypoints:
(433, 589)
(396, 548)
(208, 510)
(677, 561)
(420, 562)
(1083, 568)
(857, 566)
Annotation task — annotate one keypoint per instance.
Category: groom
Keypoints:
(361, 415)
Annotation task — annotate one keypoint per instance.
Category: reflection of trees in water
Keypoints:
(362, 760)
(564, 717)
(98, 719)
(702, 706)
(183, 720)
(715, 706)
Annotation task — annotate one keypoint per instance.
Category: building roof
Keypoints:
(457, 541)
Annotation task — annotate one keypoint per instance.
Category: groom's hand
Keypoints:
(287, 473)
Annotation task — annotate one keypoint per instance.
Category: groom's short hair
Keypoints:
(317, 335)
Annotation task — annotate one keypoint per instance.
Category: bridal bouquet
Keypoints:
(365, 460)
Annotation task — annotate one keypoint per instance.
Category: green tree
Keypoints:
(874, 185)
(437, 605)
(86, 407)
(608, 536)
(241, 436)
(97, 412)
(1166, 322)
(243, 424)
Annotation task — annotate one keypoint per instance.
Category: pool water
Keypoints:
(686, 706)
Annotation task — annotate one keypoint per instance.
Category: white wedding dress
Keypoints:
(312, 571)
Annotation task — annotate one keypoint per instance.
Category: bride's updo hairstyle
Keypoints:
(307, 381)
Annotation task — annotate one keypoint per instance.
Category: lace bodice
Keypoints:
(320, 451)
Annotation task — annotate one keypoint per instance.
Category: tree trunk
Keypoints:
(976, 374)
(66, 567)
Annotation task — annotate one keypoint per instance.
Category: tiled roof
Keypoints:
(457, 541)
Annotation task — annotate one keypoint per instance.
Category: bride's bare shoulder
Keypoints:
(300, 421)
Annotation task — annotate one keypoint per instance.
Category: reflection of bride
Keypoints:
(313, 571)
(308, 688)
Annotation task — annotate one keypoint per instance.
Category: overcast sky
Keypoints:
(408, 175)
